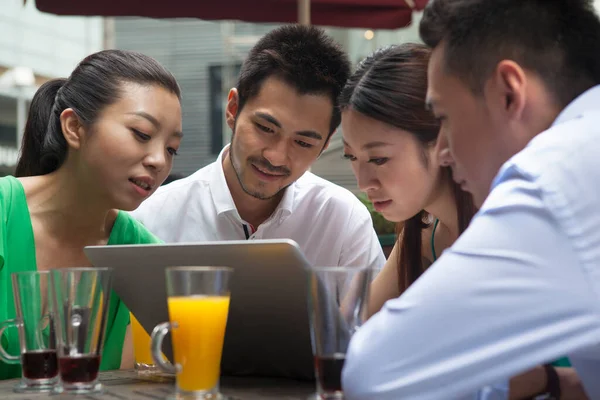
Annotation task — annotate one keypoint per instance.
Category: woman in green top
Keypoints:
(390, 139)
(100, 141)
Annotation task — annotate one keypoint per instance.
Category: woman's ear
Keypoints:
(72, 129)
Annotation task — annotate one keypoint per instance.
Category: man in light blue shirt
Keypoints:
(515, 86)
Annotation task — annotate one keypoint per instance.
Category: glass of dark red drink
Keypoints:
(82, 301)
(33, 343)
(336, 304)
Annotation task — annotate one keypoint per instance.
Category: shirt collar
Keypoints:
(286, 205)
(219, 190)
(586, 101)
(223, 201)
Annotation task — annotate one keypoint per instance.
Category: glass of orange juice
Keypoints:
(198, 301)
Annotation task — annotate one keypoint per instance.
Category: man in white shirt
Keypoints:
(515, 84)
(282, 114)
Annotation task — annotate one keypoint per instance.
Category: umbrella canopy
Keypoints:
(373, 14)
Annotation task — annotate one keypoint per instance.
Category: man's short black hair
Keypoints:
(557, 39)
(303, 56)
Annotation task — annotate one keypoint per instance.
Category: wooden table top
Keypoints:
(125, 385)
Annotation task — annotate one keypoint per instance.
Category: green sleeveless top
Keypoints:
(17, 253)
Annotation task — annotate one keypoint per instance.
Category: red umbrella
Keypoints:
(373, 14)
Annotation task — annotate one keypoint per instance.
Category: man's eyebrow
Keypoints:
(310, 134)
(268, 117)
(271, 119)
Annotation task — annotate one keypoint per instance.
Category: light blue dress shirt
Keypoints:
(519, 288)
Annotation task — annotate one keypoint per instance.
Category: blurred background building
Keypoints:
(204, 56)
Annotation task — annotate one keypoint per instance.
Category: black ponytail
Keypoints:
(38, 158)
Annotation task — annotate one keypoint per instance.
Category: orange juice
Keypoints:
(141, 343)
(198, 339)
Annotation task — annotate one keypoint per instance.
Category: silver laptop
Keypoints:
(267, 330)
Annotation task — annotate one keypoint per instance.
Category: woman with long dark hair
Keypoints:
(390, 138)
(96, 143)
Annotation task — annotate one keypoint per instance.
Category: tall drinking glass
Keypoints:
(198, 301)
(34, 316)
(82, 301)
(141, 348)
(143, 362)
(336, 304)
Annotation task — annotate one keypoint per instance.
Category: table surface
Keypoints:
(125, 385)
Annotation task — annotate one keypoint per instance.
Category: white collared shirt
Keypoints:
(519, 288)
(329, 223)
